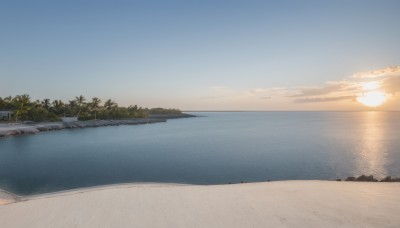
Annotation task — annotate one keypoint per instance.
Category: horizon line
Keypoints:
(290, 110)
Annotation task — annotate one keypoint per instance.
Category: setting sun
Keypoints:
(372, 96)
(372, 99)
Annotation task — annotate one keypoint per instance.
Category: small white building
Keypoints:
(5, 114)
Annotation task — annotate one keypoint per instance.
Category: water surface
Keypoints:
(215, 149)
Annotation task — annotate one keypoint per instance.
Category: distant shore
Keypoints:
(12, 129)
(266, 204)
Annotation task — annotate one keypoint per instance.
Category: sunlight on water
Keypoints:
(373, 150)
(217, 148)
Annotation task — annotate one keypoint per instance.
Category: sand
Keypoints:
(6, 197)
(268, 204)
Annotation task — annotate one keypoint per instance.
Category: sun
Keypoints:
(372, 96)
(372, 99)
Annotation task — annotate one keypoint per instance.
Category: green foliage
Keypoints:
(5, 103)
(41, 115)
(22, 106)
(38, 111)
(58, 107)
(94, 106)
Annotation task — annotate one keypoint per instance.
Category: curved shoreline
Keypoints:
(8, 197)
(265, 204)
(14, 198)
(7, 130)
(14, 129)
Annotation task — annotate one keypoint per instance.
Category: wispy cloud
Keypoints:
(349, 88)
(391, 84)
(272, 92)
(322, 99)
(316, 91)
(393, 70)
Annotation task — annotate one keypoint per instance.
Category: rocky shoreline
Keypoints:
(370, 178)
(171, 116)
(13, 129)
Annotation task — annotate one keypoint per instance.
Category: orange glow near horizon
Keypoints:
(372, 96)
(372, 99)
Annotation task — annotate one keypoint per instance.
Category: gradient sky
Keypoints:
(202, 55)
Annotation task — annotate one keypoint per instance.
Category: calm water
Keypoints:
(215, 149)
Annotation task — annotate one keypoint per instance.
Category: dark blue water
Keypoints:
(215, 149)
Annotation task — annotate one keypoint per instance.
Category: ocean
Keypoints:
(214, 148)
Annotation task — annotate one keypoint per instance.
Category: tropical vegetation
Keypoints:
(24, 109)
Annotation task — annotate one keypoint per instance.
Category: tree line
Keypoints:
(24, 109)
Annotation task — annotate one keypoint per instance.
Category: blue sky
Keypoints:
(196, 55)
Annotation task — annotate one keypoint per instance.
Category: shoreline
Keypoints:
(8, 197)
(4, 194)
(11, 197)
(15, 129)
(296, 203)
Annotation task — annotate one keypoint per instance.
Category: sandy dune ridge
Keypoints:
(267, 204)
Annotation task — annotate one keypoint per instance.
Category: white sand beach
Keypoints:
(6, 198)
(268, 204)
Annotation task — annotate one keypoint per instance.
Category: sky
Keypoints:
(205, 54)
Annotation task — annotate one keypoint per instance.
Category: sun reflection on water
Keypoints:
(372, 153)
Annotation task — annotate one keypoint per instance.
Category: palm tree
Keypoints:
(6, 102)
(58, 107)
(21, 102)
(133, 108)
(80, 101)
(95, 105)
(37, 104)
(110, 105)
(8, 99)
(46, 103)
(71, 107)
(72, 104)
(3, 103)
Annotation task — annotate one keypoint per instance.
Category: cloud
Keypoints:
(318, 91)
(346, 89)
(394, 70)
(391, 84)
(322, 99)
(329, 89)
